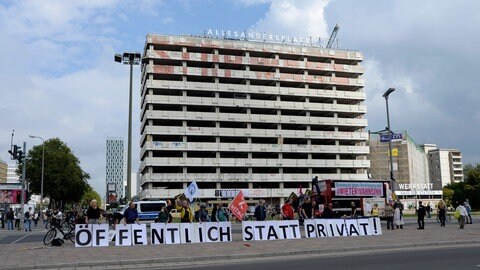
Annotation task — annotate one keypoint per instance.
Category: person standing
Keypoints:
(428, 209)
(10, 217)
(28, 219)
(398, 217)
(260, 211)
(287, 210)
(389, 216)
(2, 218)
(463, 215)
(328, 212)
(186, 215)
(368, 209)
(201, 215)
(221, 214)
(469, 210)
(130, 216)
(93, 213)
(214, 213)
(375, 211)
(18, 217)
(421, 211)
(353, 210)
(163, 215)
(442, 212)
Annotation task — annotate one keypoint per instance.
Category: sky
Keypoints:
(59, 78)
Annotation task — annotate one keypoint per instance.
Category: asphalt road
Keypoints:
(457, 258)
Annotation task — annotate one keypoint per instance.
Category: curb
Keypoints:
(126, 263)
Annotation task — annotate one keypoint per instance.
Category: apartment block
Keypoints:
(260, 117)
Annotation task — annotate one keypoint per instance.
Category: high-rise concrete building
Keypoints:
(445, 166)
(115, 168)
(262, 117)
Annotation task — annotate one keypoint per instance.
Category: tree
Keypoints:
(89, 195)
(469, 189)
(64, 179)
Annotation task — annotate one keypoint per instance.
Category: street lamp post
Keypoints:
(43, 167)
(385, 95)
(131, 59)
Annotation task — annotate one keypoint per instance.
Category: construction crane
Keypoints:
(333, 36)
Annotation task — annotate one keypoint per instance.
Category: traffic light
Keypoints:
(15, 151)
(20, 156)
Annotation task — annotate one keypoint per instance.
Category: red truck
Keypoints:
(366, 195)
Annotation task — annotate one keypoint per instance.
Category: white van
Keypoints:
(147, 210)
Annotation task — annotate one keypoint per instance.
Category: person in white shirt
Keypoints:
(463, 215)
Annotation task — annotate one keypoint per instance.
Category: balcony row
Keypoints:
(239, 177)
(245, 147)
(250, 103)
(253, 75)
(255, 89)
(187, 42)
(254, 61)
(241, 162)
(266, 133)
(254, 118)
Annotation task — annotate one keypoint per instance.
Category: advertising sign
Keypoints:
(11, 196)
(359, 189)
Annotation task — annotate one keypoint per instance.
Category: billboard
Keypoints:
(11, 196)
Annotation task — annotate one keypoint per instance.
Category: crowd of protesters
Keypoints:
(309, 208)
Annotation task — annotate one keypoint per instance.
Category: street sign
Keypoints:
(384, 137)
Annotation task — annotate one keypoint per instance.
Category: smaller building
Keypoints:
(12, 176)
(420, 171)
(445, 166)
(3, 171)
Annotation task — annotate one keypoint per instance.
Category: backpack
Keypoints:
(57, 242)
(27, 215)
(162, 217)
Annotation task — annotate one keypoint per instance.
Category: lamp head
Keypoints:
(388, 92)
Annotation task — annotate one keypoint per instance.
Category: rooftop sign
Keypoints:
(264, 37)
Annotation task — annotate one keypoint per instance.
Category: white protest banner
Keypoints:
(83, 235)
(199, 235)
(364, 226)
(172, 233)
(375, 225)
(292, 228)
(225, 231)
(270, 230)
(139, 234)
(157, 233)
(321, 226)
(247, 230)
(352, 227)
(337, 227)
(186, 233)
(100, 235)
(310, 230)
(191, 191)
(123, 235)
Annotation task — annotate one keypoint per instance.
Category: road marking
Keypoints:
(21, 238)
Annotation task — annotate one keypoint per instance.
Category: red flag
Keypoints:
(238, 207)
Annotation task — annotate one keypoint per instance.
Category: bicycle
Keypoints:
(448, 218)
(51, 234)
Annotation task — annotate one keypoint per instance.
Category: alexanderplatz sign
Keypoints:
(251, 35)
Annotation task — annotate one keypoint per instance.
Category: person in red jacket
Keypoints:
(287, 210)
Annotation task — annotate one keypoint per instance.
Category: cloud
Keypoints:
(294, 17)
